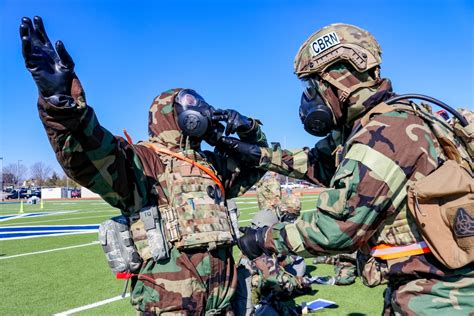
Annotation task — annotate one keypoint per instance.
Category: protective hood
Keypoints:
(162, 124)
(366, 92)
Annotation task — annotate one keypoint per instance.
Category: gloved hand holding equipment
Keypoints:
(248, 152)
(235, 122)
(52, 70)
(252, 244)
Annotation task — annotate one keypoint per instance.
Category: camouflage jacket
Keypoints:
(359, 210)
(127, 175)
(316, 166)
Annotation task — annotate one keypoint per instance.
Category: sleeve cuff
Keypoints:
(61, 100)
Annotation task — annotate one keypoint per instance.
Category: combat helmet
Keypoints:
(335, 43)
(264, 218)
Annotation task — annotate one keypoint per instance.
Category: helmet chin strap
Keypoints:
(346, 92)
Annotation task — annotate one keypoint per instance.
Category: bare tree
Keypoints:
(53, 181)
(8, 178)
(18, 172)
(65, 181)
(40, 172)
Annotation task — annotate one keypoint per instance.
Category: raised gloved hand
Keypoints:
(53, 71)
(213, 135)
(236, 122)
(246, 151)
(252, 244)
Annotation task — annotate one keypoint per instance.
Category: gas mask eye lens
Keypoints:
(194, 114)
(188, 97)
(310, 88)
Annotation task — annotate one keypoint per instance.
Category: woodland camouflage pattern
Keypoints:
(367, 50)
(271, 280)
(269, 193)
(291, 203)
(360, 211)
(128, 177)
(345, 269)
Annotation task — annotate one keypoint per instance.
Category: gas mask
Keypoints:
(195, 115)
(315, 115)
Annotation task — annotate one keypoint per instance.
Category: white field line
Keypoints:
(50, 250)
(25, 215)
(118, 298)
(248, 220)
(51, 235)
(252, 213)
(55, 220)
(85, 307)
(9, 212)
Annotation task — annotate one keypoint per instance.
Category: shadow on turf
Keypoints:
(310, 268)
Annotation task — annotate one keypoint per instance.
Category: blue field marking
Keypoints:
(7, 217)
(21, 232)
(26, 215)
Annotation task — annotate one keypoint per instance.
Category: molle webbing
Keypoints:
(192, 162)
(195, 215)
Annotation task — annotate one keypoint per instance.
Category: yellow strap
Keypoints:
(385, 168)
(166, 151)
(346, 91)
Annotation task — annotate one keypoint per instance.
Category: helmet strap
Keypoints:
(347, 91)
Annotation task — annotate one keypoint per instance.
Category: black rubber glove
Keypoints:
(212, 136)
(236, 122)
(252, 244)
(53, 71)
(246, 151)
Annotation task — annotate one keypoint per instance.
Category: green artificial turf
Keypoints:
(72, 270)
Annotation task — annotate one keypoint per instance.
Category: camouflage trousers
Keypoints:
(188, 283)
(448, 296)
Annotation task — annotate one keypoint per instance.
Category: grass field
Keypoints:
(62, 274)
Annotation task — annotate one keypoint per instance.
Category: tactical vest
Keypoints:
(196, 215)
(401, 234)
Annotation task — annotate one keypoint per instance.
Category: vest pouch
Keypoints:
(117, 243)
(153, 226)
(234, 217)
(466, 133)
(442, 205)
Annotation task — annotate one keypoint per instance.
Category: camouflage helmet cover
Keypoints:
(334, 43)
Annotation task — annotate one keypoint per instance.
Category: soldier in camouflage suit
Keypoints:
(275, 279)
(380, 153)
(290, 206)
(130, 177)
(269, 193)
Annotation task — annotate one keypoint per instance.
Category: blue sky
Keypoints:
(237, 54)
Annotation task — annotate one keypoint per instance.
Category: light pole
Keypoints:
(18, 176)
(1, 177)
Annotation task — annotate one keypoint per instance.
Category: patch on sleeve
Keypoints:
(324, 42)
